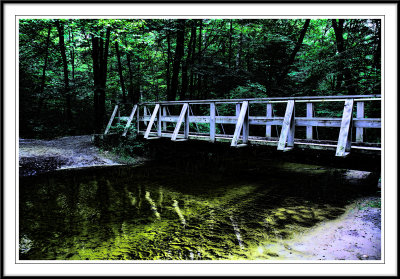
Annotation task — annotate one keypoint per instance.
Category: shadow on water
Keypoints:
(179, 211)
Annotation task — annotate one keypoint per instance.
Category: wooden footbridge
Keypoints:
(156, 123)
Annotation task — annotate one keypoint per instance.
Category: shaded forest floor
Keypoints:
(356, 235)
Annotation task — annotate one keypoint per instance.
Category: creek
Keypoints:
(166, 212)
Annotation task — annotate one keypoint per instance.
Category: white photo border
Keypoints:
(13, 12)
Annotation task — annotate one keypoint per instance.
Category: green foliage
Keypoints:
(375, 203)
(249, 90)
(203, 128)
(236, 58)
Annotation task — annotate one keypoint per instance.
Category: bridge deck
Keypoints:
(273, 142)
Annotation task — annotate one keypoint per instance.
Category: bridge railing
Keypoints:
(155, 120)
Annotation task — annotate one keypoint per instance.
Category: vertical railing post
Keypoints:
(360, 114)
(290, 138)
(164, 112)
(309, 131)
(159, 122)
(186, 127)
(269, 115)
(145, 115)
(212, 122)
(246, 126)
(138, 119)
(237, 109)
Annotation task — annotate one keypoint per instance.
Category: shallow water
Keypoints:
(164, 212)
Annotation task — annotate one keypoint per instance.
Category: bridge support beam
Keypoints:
(242, 122)
(111, 120)
(129, 120)
(286, 140)
(151, 122)
(184, 116)
(344, 141)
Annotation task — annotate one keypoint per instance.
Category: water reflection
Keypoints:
(126, 213)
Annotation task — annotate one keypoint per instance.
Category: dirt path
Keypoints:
(37, 156)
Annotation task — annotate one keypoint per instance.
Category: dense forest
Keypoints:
(72, 71)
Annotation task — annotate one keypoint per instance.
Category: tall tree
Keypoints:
(230, 43)
(100, 57)
(294, 52)
(199, 58)
(168, 63)
(180, 41)
(43, 82)
(131, 97)
(340, 44)
(46, 56)
(72, 52)
(60, 29)
(192, 60)
(187, 63)
(121, 77)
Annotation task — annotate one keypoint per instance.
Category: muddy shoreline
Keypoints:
(39, 156)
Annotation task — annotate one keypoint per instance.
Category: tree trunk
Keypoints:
(340, 44)
(131, 97)
(65, 68)
(294, 52)
(199, 77)
(239, 53)
(43, 82)
(187, 64)
(46, 56)
(230, 45)
(377, 54)
(121, 78)
(377, 57)
(139, 93)
(100, 56)
(168, 63)
(72, 53)
(180, 40)
(192, 60)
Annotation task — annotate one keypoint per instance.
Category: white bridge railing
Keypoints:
(155, 122)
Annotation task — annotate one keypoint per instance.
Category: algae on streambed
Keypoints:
(154, 212)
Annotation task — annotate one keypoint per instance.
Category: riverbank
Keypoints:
(355, 235)
(36, 156)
